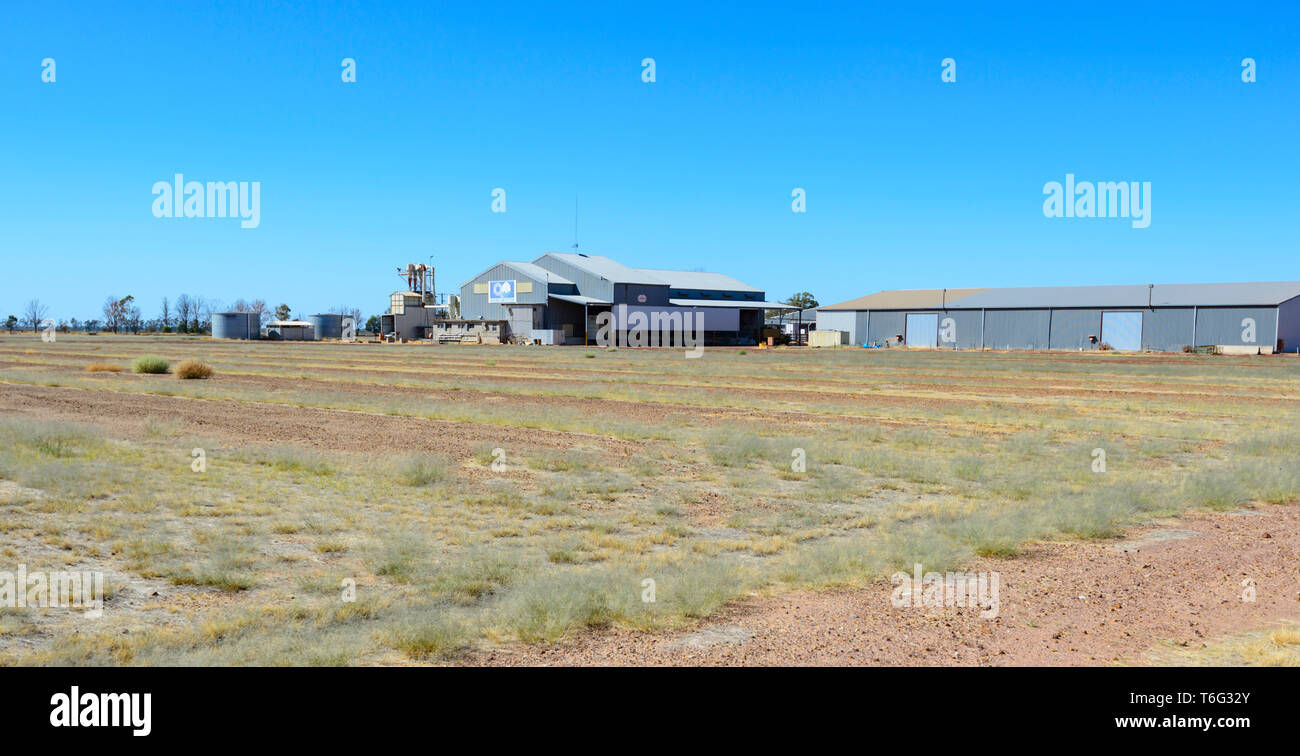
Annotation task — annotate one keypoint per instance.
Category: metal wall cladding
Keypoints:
(1122, 330)
(1071, 328)
(290, 333)
(676, 292)
(1289, 325)
(589, 284)
(959, 329)
(327, 326)
(411, 324)
(1016, 329)
(1167, 329)
(922, 329)
(854, 324)
(883, 325)
(523, 318)
(956, 329)
(559, 313)
(236, 325)
(1225, 326)
(632, 293)
(474, 306)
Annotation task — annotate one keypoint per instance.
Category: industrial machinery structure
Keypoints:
(414, 313)
(419, 278)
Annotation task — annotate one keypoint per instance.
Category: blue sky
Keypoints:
(910, 182)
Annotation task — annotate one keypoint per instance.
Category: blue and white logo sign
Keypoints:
(501, 291)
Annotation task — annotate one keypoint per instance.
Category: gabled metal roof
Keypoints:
(579, 299)
(536, 272)
(617, 272)
(904, 299)
(610, 270)
(1219, 294)
(1265, 293)
(690, 279)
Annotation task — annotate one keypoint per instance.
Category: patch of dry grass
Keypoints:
(193, 370)
(1278, 647)
(104, 367)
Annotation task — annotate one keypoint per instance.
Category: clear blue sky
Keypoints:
(911, 182)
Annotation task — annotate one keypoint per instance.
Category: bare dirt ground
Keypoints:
(639, 411)
(645, 412)
(614, 408)
(900, 390)
(1070, 604)
(124, 414)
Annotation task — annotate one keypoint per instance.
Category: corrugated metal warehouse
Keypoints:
(1250, 317)
(557, 298)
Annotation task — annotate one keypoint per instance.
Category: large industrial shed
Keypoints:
(558, 297)
(1250, 317)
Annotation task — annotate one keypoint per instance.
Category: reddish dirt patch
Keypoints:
(649, 413)
(707, 509)
(123, 414)
(1089, 603)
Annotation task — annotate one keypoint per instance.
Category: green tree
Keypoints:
(118, 313)
(803, 300)
(11, 324)
(282, 312)
(373, 324)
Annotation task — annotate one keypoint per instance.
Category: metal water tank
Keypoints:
(236, 325)
(327, 325)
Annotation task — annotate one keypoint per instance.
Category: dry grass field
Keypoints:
(489, 503)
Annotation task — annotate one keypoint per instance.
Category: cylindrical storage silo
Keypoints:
(236, 325)
(327, 326)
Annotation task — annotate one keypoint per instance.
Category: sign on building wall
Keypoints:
(501, 292)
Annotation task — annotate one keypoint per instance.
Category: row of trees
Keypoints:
(34, 316)
(188, 314)
(185, 314)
